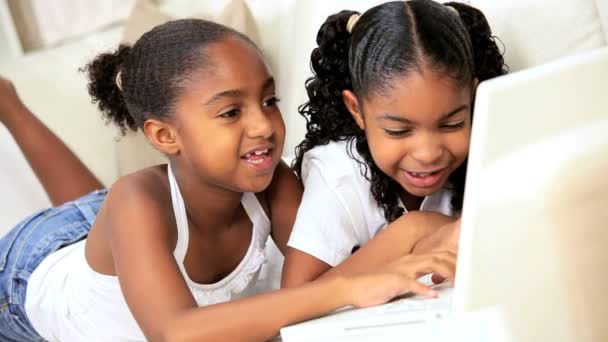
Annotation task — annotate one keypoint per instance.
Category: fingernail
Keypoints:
(433, 293)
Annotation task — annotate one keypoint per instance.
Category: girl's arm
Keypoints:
(331, 222)
(284, 196)
(157, 295)
(63, 176)
(416, 232)
(259, 318)
(444, 238)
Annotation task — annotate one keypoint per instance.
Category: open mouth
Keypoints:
(258, 156)
(425, 179)
(260, 159)
(423, 174)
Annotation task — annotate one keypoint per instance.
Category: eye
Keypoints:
(271, 102)
(451, 126)
(397, 133)
(230, 114)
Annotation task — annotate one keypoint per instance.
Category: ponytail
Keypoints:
(135, 83)
(104, 80)
(327, 118)
(488, 59)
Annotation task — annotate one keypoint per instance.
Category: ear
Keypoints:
(162, 135)
(352, 104)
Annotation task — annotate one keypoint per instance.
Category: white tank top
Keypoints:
(68, 301)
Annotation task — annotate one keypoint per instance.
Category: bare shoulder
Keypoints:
(283, 196)
(285, 185)
(136, 213)
(149, 185)
(141, 201)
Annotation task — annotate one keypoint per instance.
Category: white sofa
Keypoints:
(533, 32)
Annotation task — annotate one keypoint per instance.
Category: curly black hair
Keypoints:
(152, 72)
(390, 41)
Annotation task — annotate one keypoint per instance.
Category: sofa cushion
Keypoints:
(536, 32)
(602, 7)
(42, 23)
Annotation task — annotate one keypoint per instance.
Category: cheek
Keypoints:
(386, 152)
(213, 148)
(458, 144)
(279, 131)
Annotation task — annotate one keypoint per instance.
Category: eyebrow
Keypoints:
(402, 119)
(269, 83)
(236, 93)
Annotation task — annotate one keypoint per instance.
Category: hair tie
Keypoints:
(455, 11)
(119, 80)
(352, 21)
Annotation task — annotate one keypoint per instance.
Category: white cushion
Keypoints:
(21, 192)
(43, 23)
(602, 7)
(539, 31)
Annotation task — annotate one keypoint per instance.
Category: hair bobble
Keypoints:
(352, 21)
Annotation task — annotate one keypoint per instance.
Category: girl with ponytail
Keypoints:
(170, 252)
(388, 125)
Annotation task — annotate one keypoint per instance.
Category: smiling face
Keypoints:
(229, 130)
(418, 131)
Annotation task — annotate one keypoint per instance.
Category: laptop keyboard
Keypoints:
(404, 311)
(415, 305)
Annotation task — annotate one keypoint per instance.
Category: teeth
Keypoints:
(421, 174)
(256, 153)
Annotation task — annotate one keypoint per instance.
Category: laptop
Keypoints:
(534, 234)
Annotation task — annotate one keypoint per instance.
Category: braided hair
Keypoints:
(390, 41)
(133, 84)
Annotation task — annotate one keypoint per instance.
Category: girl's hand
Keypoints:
(9, 100)
(448, 237)
(444, 238)
(400, 277)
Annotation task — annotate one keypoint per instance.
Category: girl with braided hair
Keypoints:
(171, 252)
(388, 125)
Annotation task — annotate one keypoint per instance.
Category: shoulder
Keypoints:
(337, 191)
(140, 202)
(144, 187)
(336, 162)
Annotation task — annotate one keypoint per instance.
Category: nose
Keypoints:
(428, 149)
(259, 125)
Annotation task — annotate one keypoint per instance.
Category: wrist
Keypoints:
(14, 116)
(341, 290)
(425, 244)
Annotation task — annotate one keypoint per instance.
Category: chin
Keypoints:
(421, 192)
(258, 185)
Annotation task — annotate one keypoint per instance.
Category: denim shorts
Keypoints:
(24, 247)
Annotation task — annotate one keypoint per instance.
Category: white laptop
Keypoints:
(534, 235)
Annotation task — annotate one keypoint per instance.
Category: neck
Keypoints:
(209, 207)
(411, 202)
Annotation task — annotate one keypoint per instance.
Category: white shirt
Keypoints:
(338, 211)
(68, 301)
